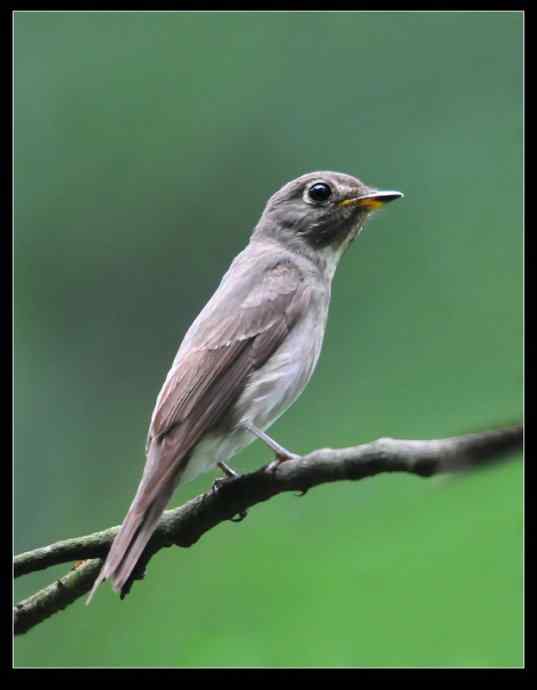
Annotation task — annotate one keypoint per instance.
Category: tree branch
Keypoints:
(185, 525)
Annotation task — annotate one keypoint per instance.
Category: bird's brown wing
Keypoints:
(248, 319)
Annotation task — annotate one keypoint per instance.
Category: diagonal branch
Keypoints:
(185, 525)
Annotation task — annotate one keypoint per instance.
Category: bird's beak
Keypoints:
(372, 199)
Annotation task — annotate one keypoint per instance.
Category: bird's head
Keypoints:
(322, 211)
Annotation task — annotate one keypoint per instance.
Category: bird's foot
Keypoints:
(284, 456)
(229, 475)
(218, 484)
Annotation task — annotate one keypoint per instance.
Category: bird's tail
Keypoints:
(129, 543)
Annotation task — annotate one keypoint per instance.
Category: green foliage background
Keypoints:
(146, 145)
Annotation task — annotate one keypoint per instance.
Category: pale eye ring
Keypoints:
(319, 192)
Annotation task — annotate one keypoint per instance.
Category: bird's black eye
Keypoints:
(319, 192)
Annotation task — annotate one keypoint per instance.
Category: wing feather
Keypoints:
(231, 340)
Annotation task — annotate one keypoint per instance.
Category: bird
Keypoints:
(250, 352)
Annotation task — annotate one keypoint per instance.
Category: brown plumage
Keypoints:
(205, 380)
(250, 352)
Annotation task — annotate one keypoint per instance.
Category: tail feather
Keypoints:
(121, 573)
(129, 543)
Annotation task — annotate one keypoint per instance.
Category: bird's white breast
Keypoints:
(271, 390)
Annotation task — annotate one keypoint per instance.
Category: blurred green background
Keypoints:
(146, 145)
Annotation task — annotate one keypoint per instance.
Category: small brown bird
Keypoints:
(250, 352)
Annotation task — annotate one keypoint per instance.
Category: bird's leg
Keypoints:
(229, 473)
(227, 470)
(282, 454)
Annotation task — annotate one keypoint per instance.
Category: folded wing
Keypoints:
(247, 319)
